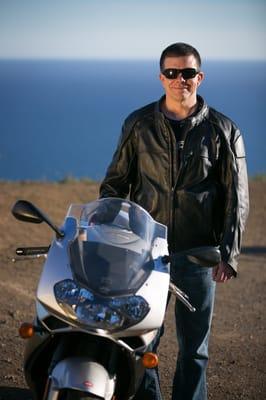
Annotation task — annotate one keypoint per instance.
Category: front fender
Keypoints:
(79, 373)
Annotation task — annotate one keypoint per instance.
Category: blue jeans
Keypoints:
(193, 330)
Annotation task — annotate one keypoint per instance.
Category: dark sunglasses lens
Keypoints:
(171, 73)
(189, 73)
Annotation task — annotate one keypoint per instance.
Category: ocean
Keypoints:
(62, 119)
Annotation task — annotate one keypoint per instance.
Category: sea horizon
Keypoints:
(62, 118)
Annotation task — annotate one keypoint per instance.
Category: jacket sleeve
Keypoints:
(235, 181)
(120, 172)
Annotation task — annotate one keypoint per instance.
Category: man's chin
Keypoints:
(182, 96)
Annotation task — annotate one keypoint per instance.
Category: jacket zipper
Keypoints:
(171, 179)
(183, 161)
(174, 183)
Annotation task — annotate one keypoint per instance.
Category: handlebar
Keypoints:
(32, 251)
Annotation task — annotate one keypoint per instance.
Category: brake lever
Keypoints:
(181, 296)
(22, 258)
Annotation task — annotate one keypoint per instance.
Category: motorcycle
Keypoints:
(100, 301)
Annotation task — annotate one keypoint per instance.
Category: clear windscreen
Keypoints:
(111, 254)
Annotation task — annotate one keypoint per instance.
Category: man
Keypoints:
(185, 164)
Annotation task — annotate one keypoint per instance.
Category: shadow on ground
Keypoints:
(11, 393)
(254, 250)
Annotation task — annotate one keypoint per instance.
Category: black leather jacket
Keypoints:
(199, 192)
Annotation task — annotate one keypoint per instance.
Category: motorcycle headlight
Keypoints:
(96, 311)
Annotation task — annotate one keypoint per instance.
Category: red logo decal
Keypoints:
(88, 384)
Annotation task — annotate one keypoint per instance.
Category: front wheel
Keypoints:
(69, 394)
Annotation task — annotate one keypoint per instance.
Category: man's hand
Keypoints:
(222, 272)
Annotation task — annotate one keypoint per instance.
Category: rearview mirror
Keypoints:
(25, 211)
(207, 256)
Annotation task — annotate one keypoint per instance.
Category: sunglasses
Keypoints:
(187, 73)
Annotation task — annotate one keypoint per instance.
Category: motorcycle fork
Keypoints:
(113, 357)
(46, 389)
(48, 394)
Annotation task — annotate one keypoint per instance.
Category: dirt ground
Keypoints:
(237, 349)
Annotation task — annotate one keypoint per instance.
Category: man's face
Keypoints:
(180, 89)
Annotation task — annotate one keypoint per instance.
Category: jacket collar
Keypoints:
(191, 121)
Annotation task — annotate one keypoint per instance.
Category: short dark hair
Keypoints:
(179, 50)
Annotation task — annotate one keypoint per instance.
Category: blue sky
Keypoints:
(131, 29)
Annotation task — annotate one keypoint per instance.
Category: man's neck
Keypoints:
(178, 111)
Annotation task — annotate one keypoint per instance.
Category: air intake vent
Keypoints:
(53, 323)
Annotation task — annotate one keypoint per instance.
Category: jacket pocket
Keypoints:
(197, 215)
(196, 168)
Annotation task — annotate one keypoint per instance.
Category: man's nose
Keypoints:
(180, 77)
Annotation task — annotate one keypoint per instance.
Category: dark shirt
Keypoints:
(176, 127)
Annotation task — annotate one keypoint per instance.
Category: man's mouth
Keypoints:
(179, 87)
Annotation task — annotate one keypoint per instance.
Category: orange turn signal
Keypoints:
(150, 360)
(26, 330)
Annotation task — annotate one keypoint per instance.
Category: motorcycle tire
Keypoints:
(75, 395)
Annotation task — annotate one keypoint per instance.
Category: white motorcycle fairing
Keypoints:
(149, 241)
(103, 284)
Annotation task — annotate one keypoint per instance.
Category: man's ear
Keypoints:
(201, 77)
(161, 77)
